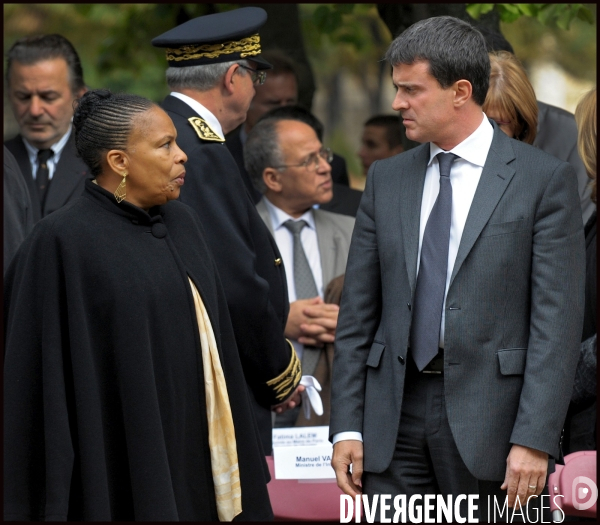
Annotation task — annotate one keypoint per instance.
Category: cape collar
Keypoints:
(107, 200)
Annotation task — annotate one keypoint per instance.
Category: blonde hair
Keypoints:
(512, 95)
(586, 118)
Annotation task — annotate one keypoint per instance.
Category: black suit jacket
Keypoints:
(236, 148)
(345, 200)
(248, 260)
(68, 180)
(557, 135)
(18, 214)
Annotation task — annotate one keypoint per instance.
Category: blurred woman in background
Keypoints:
(580, 426)
(510, 99)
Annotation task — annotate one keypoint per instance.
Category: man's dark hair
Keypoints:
(392, 125)
(454, 49)
(494, 40)
(33, 49)
(104, 121)
(296, 112)
(282, 64)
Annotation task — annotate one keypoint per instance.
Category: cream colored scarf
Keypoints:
(221, 433)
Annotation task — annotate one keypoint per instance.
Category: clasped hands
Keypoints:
(312, 322)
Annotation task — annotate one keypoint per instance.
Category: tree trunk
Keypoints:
(397, 17)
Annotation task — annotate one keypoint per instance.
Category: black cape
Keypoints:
(104, 403)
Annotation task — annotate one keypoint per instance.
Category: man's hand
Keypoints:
(297, 316)
(321, 324)
(526, 470)
(346, 453)
(291, 402)
(312, 322)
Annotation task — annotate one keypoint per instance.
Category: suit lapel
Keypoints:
(261, 207)
(17, 148)
(495, 177)
(67, 176)
(409, 202)
(328, 241)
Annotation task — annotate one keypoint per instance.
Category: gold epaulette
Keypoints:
(285, 383)
(203, 130)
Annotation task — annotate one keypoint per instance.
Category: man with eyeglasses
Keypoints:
(214, 63)
(286, 159)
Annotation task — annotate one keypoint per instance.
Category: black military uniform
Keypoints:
(247, 257)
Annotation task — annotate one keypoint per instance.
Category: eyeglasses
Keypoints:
(258, 77)
(312, 162)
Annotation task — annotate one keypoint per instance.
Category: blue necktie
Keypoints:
(433, 268)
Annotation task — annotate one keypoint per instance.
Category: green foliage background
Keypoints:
(113, 41)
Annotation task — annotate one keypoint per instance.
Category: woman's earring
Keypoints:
(120, 191)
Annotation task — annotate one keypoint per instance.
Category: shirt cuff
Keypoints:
(345, 436)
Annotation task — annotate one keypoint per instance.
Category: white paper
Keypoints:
(300, 436)
(304, 462)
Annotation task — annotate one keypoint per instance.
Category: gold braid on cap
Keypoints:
(249, 46)
(285, 383)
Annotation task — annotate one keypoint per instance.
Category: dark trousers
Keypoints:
(426, 459)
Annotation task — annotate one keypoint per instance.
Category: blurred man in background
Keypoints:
(381, 138)
(287, 160)
(44, 79)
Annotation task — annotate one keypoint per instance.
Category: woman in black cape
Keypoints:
(124, 396)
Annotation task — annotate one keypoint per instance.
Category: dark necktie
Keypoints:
(433, 268)
(42, 177)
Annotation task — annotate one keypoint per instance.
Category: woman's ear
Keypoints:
(117, 161)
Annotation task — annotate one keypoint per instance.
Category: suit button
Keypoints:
(401, 359)
(409, 306)
(278, 261)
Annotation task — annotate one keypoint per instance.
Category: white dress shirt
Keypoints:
(57, 149)
(206, 114)
(464, 177)
(285, 242)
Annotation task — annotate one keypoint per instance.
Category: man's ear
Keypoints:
(463, 90)
(229, 80)
(117, 161)
(81, 92)
(272, 179)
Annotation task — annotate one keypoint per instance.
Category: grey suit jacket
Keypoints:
(334, 232)
(68, 180)
(514, 308)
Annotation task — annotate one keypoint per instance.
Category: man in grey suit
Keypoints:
(289, 164)
(44, 78)
(461, 314)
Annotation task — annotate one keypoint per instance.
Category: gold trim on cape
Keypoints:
(285, 383)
